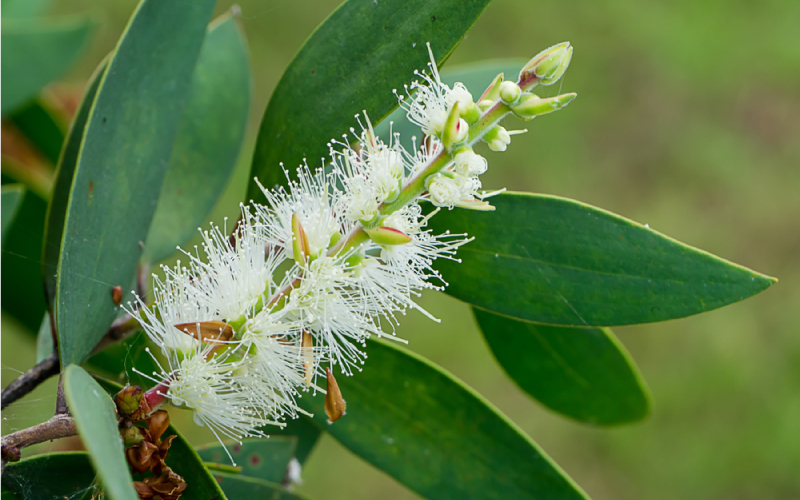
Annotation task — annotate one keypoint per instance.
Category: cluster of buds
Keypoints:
(252, 321)
(145, 450)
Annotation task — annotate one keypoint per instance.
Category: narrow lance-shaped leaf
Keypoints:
(352, 62)
(11, 199)
(556, 261)
(240, 487)
(65, 171)
(417, 423)
(49, 476)
(301, 428)
(95, 418)
(582, 373)
(121, 164)
(209, 139)
(36, 52)
(21, 275)
(262, 458)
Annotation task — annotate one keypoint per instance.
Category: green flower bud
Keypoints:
(131, 436)
(497, 138)
(455, 128)
(531, 106)
(388, 236)
(546, 67)
(471, 112)
(485, 104)
(509, 92)
(128, 399)
(492, 92)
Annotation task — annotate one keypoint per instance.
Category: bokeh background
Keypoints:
(688, 119)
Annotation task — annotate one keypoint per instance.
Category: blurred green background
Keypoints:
(688, 119)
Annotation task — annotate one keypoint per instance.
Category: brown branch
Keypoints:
(29, 380)
(57, 427)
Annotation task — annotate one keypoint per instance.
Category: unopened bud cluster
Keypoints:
(250, 322)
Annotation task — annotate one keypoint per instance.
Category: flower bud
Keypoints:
(485, 104)
(469, 164)
(388, 236)
(131, 436)
(531, 106)
(455, 128)
(509, 92)
(443, 191)
(300, 245)
(497, 138)
(471, 112)
(307, 343)
(492, 92)
(128, 399)
(335, 405)
(546, 67)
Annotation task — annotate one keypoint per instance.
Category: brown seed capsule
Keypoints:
(335, 405)
(116, 295)
(308, 356)
(208, 331)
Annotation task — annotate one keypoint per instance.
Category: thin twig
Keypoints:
(57, 427)
(29, 380)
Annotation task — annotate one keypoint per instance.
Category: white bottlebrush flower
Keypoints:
(325, 303)
(370, 173)
(206, 384)
(233, 281)
(311, 198)
(429, 102)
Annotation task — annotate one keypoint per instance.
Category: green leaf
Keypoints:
(121, 164)
(44, 340)
(24, 8)
(432, 433)
(301, 428)
(49, 476)
(186, 463)
(36, 52)
(475, 76)
(556, 261)
(21, 272)
(209, 139)
(65, 171)
(11, 201)
(42, 125)
(243, 488)
(114, 362)
(95, 418)
(182, 459)
(341, 71)
(583, 373)
(260, 458)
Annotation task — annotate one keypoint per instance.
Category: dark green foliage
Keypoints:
(583, 373)
(426, 429)
(95, 418)
(352, 63)
(557, 261)
(49, 476)
(36, 52)
(209, 138)
(121, 165)
(265, 459)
